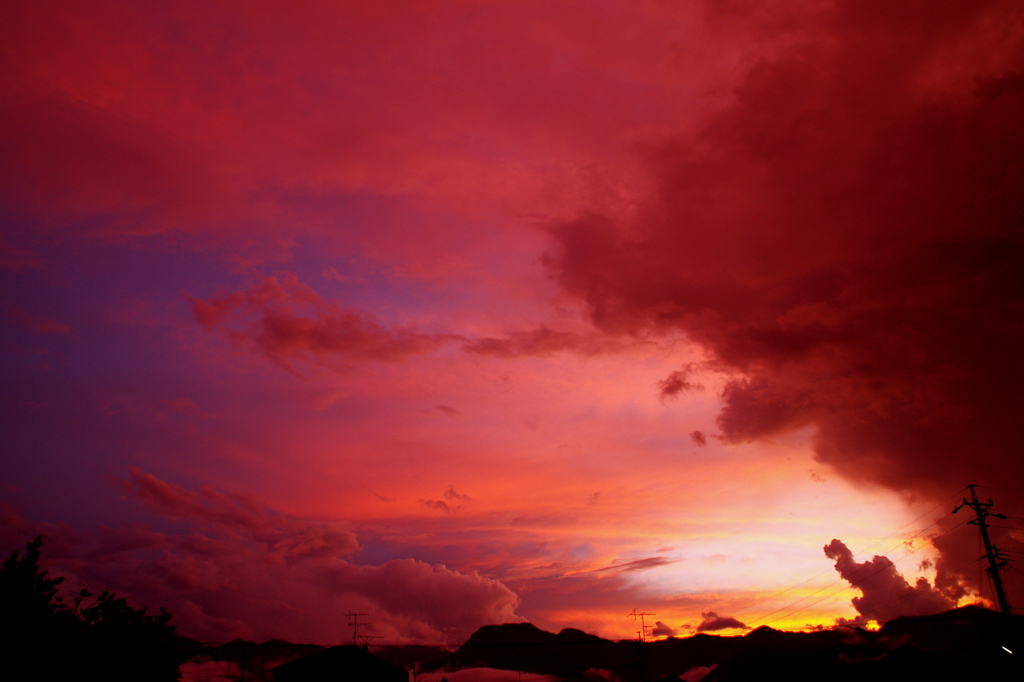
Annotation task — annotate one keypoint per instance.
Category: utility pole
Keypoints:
(995, 558)
(641, 641)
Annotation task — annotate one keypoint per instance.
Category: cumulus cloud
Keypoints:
(885, 593)
(242, 570)
(843, 242)
(712, 622)
(662, 630)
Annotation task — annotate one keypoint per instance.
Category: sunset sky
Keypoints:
(458, 313)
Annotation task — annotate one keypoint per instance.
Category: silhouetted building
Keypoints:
(348, 663)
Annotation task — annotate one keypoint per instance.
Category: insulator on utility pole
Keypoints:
(995, 558)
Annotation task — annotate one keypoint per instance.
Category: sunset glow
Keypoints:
(460, 313)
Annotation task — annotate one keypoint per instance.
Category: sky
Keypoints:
(458, 313)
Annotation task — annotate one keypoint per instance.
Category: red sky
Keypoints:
(460, 313)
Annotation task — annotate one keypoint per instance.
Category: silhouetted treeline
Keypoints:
(99, 637)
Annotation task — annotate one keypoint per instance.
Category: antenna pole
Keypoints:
(354, 622)
(995, 558)
(642, 641)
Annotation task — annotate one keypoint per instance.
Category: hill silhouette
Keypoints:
(957, 644)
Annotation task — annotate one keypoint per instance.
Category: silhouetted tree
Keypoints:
(107, 639)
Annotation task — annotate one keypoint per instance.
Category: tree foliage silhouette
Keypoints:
(106, 638)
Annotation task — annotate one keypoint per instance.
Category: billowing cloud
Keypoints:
(245, 571)
(843, 241)
(712, 622)
(885, 593)
(454, 604)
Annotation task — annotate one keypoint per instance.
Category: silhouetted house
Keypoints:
(348, 663)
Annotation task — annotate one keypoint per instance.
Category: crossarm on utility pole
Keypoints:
(992, 553)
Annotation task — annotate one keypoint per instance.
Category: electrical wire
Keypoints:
(836, 582)
(931, 541)
(945, 500)
(1005, 489)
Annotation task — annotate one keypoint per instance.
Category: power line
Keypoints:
(1005, 490)
(835, 582)
(995, 561)
(931, 541)
(863, 551)
(882, 606)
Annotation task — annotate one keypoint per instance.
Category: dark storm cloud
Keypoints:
(845, 242)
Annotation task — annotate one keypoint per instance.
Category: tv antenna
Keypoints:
(641, 640)
(643, 626)
(353, 620)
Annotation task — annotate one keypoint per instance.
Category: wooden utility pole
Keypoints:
(995, 559)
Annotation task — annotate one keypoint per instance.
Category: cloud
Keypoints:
(541, 342)
(15, 258)
(679, 382)
(448, 411)
(440, 505)
(885, 593)
(288, 321)
(698, 438)
(713, 622)
(451, 494)
(285, 539)
(40, 325)
(238, 569)
(662, 630)
(454, 604)
(640, 564)
(843, 242)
